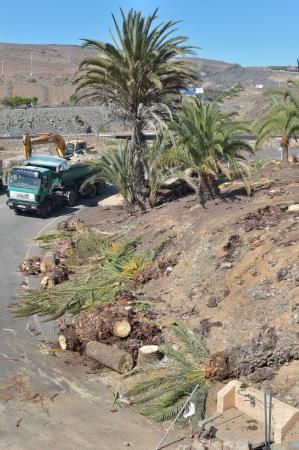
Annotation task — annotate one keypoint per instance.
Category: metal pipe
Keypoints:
(269, 418)
(178, 415)
(265, 420)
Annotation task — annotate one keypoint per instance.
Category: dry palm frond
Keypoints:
(168, 383)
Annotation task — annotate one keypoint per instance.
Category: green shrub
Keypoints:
(17, 100)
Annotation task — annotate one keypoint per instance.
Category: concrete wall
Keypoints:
(251, 402)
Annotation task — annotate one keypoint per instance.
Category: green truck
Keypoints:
(42, 183)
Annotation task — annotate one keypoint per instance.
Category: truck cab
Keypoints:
(75, 148)
(44, 182)
(28, 188)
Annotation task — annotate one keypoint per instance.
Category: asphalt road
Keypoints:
(45, 403)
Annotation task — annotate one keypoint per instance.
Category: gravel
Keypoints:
(63, 120)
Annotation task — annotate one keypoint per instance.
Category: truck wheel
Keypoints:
(90, 191)
(71, 197)
(100, 187)
(47, 208)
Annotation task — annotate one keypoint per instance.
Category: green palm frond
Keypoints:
(210, 140)
(166, 385)
(140, 72)
(283, 119)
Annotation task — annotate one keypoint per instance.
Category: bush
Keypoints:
(16, 101)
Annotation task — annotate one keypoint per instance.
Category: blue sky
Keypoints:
(249, 32)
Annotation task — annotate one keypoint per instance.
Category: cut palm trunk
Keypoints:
(48, 262)
(111, 357)
(69, 340)
(148, 354)
(56, 276)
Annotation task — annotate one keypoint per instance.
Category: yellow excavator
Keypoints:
(44, 138)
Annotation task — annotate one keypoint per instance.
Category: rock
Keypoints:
(212, 303)
(226, 265)
(216, 445)
(294, 208)
(194, 207)
(236, 445)
(197, 445)
(114, 201)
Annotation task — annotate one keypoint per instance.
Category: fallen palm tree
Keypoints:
(168, 383)
(93, 283)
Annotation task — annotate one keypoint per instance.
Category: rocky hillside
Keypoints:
(47, 72)
(49, 77)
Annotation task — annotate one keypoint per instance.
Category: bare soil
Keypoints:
(237, 270)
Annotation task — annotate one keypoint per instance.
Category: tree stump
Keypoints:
(111, 357)
(147, 354)
(68, 340)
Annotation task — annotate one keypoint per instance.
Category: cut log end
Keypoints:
(122, 328)
(62, 342)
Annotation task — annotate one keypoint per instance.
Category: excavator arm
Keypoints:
(44, 138)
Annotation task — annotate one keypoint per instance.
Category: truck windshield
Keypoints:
(69, 149)
(24, 178)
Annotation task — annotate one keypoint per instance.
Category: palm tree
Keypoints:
(283, 119)
(210, 147)
(141, 73)
(118, 167)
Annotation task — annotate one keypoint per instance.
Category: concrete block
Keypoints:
(236, 445)
(284, 416)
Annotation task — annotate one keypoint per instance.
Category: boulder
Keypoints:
(114, 201)
(294, 208)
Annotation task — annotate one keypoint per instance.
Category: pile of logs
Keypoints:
(116, 335)
(31, 266)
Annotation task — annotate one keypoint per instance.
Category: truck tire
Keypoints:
(47, 208)
(90, 191)
(72, 197)
(100, 187)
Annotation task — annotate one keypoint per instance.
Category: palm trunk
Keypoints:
(284, 142)
(208, 189)
(138, 147)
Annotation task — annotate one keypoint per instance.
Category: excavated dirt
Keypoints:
(236, 269)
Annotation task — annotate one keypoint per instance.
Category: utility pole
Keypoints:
(31, 64)
(267, 417)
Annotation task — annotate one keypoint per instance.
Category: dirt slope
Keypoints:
(237, 272)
